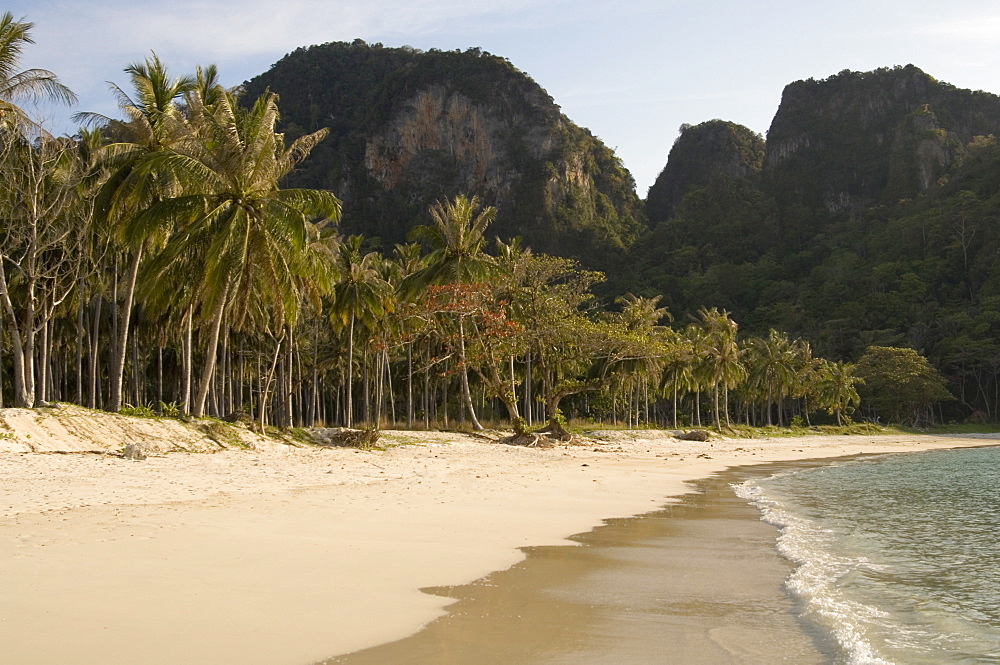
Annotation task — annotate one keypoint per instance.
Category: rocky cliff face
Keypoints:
(409, 128)
(859, 139)
(436, 121)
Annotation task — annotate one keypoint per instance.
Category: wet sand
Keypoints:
(699, 583)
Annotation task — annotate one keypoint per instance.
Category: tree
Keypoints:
(551, 303)
(772, 370)
(155, 123)
(836, 388)
(638, 323)
(243, 236)
(29, 85)
(899, 385)
(38, 246)
(722, 366)
(359, 293)
(677, 375)
(456, 241)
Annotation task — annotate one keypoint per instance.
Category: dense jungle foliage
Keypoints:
(874, 221)
(185, 260)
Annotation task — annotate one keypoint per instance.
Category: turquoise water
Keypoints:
(897, 557)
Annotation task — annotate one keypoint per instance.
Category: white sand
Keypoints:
(289, 556)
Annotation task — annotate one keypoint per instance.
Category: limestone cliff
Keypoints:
(411, 127)
(859, 139)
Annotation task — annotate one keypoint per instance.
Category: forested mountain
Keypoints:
(409, 127)
(872, 220)
(865, 217)
(702, 153)
(214, 255)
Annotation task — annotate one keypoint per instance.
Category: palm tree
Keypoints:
(155, 123)
(359, 293)
(836, 387)
(677, 373)
(244, 238)
(773, 371)
(29, 85)
(722, 366)
(456, 240)
(804, 382)
(646, 345)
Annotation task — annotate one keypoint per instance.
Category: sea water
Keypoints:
(897, 557)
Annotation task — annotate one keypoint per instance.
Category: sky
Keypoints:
(631, 71)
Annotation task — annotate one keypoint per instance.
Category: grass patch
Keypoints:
(852, 429)
(750, 432)
(221, 432)
(397, 440)
(141, 411)
(957, 428)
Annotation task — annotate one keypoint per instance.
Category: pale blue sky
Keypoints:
(632, 71)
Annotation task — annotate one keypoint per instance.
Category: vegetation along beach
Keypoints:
(378, 357)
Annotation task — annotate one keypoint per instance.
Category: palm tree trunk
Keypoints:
(464, 375)
(20, 397)
(388, 383)
(349, 404)
(187, 359)
(365, 393)
(95, 329)
(121, 344)
(675, 398)
(715, 407)
(409, 385)
(444, 393)
(527, 390)
(42, 390)
(211, 349)
(159, 375)
(80, 337)
(267, 386)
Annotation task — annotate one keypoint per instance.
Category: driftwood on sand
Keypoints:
(344, 437)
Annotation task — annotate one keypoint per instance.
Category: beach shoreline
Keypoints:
(296, 555)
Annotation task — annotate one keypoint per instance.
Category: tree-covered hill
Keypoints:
(409, 127)
(873, 220)
(716, 148)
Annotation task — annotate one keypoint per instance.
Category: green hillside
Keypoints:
(408, 128)
(873, 221)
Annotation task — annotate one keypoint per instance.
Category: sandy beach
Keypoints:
(288, 555)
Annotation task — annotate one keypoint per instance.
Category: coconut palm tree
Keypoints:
(31, 85)
(242, 238)
(155, 123)
(722, 367)
(360, 293)
(646, 345)
(772, 369)
(836, 387)
(456, 241)
(677, 374)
